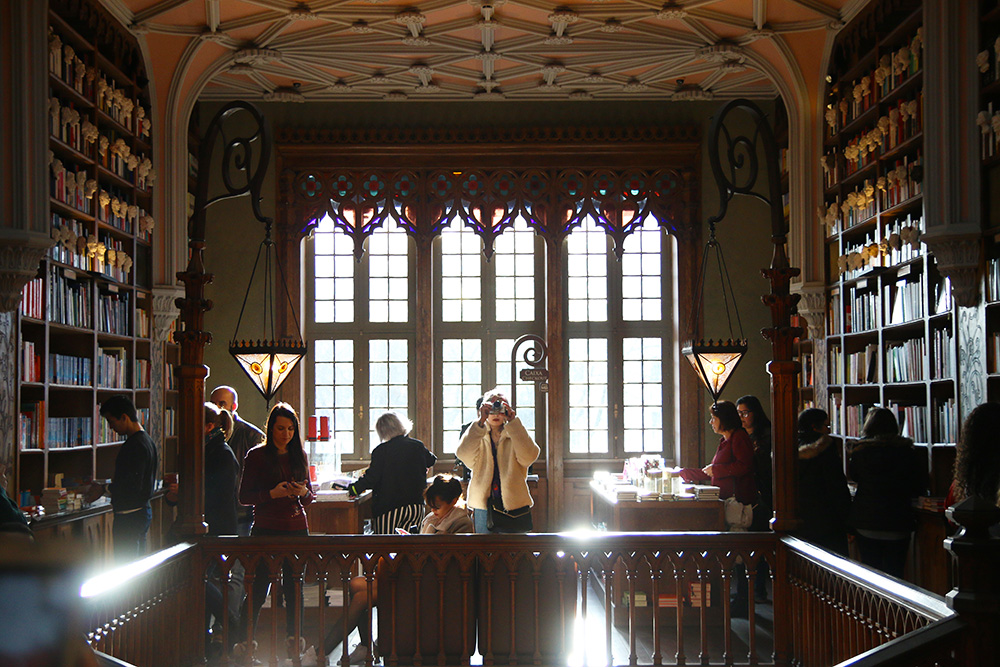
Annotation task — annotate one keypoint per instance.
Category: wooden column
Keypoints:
(425, 352)
(556, 403)
(976, 595)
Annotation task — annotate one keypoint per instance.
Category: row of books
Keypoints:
(71, 242)
(899, 235)
(943, 363)
(64, 123)
(68, 185)
(912, 420)
(67, 66)
(946, 421)
(861, 310)
(806, 378)
(37, 430)
(31, 362)
(904, 360)
(993, 279)
(993, 352)
(169, 421)
(32, 299)
(113, 310)
(112, 368)
(862, 366)
(66, 369)
(835, 371)
(903, 182)
(68, 299)
(905, 121)
(904, 300)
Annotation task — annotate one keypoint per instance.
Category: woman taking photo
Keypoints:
(397, 476)
(498, 450)
(276, 483)
(889, 476)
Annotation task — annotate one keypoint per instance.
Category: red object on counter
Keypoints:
(312, 428)
(324, 428)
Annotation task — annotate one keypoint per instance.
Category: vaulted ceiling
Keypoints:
(284, 50)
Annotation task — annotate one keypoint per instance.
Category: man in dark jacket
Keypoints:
(133, 481)
(245, 436)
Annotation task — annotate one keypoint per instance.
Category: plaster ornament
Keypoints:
(918, 40)
(89, 188)
(851, 152)
(883, 247)
(56, 165)
(151, 178)
(91, 74)
(883, 125)
(842, 263)
(826, 162)
(92, 244)
(874, 251)
(102, 146)
(145, 166)
(612, 25)
(995, 124)
(881, 73)
(880, 183)
(104, 198)
(831, 117)
(859, 92)
(81, 178)
(127, 264)
(116, 207)
(68, 54)
(146, 223)
(847, 205)
(855, 261)
(894, 116)
(844, 106)
(79, 69)
(111, 256)
(55, 45)
(983, 121)
(869, 191)
(895, 241)
(89, 131)
(132, 162)
(133, 212)
(120, 259)
(54, 108)
(81, 245)
(983, 61)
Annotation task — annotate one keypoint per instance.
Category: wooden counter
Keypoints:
(340, 517)
(633, 516)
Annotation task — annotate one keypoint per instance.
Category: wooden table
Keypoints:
(340, 517)
(633, 516)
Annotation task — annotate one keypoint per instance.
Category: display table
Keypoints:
(339, 516)
(634, 516)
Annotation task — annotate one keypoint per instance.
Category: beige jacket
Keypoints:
(515, 452)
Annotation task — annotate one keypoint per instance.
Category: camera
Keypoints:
(497, 407)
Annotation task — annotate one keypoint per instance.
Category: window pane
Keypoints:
(587, 257)
(515, 243)
(642, 259)
(643, 392)
(460, 387)
(388, 382)
(461, 262)
(334, 278)
(333, 390)
(384, 301)
(588, 393)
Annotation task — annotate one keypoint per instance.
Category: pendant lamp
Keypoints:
(267, 360)
(715, 360)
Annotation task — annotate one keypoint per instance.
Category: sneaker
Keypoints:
(244, 655)
(309, 658)
(358, 655)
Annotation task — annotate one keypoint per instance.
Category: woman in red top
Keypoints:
(731, 468)
(276, 483)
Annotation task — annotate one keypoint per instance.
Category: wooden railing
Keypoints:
(140, 612)
(542, 599)
(844, 610)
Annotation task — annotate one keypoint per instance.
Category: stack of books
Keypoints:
(626, 492)
(54, 499)
(706, 492)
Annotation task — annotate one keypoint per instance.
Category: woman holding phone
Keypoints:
(276, 484)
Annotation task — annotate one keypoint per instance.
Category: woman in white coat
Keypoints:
(498, 450)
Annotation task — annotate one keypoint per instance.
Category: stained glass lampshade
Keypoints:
(715, 361)
(268, 363)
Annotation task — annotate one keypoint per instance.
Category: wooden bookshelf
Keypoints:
(989, 151)
(85, 322)
(891, 323)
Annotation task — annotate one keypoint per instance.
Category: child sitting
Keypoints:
(447, 509)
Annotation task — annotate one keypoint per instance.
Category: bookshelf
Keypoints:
(891, 324)
(85, 321)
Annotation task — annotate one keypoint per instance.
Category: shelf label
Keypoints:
(69, 274)
(905, 271)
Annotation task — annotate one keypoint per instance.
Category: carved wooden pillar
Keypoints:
(976, 595)
(690, 448)
(425, 351)
(24, 174)
(556, 403)
(952, 184)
